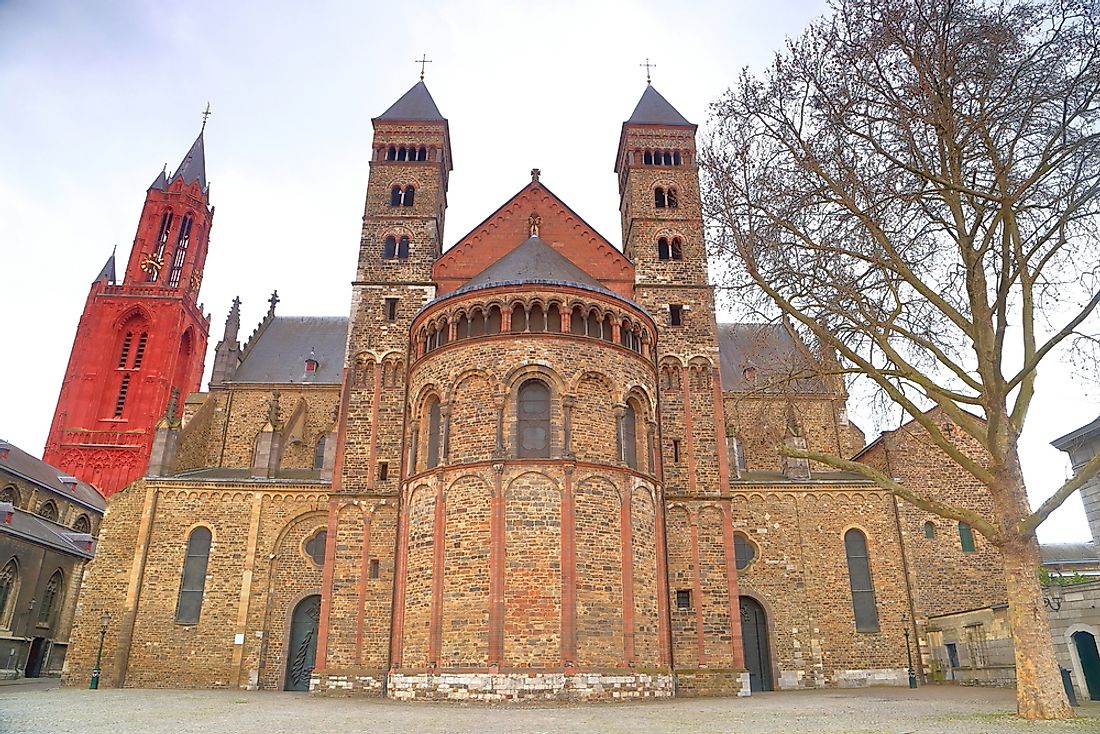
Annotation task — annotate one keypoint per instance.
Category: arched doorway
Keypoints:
(1085, 643)
(754, 636)
(302, 649)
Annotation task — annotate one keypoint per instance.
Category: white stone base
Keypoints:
(871, 677)
(528, 686)
(336, 684)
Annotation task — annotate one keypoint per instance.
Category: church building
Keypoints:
(532, 465)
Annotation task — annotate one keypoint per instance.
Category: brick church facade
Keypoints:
(531, 466)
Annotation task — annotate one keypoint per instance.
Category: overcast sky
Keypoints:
(97, 96)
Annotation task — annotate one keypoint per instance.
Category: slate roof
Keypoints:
(771, 350)
(1069, 553)
(415, 104)
(654, 109)
(193, 166)
(278, 354)
(161, 181)
(533, 261)
(36, 471)
(108, 270)
(31, 527)
(1084, 433)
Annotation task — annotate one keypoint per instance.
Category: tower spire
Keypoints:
(206, 114)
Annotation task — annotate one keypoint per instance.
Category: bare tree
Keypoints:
(916, 184)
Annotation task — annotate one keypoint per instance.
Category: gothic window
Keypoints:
(744, 551)
(492, 323)
(577, 322)
(193, 580)
(966, 537)
(930, 530)
(162, 243)
(395, 196)
(319, 452)
(403, 248)
(124, 353)
(389, 248)
(676, 249)
(9, 592)
(410, 192)
(659, 198)
(630, 436)
(8, 494)
(664, 252)
(859, 576)
(51, 596)
(533, 430)
(82, 525)
(553, 318)
(139, 353)
(182, 241)
(536, 322)
(48, 511)
(120, 401)
(315, 547)
(435, 426)
(671, 198)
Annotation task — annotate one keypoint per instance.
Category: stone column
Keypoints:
(445, 416)
(567, 403)
(619, 411)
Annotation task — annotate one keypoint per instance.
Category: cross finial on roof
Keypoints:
(535, 173)
(423, 60)
(205, 114)
(273, 300)
(648, 66)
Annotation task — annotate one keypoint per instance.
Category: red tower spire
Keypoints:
(138, 339)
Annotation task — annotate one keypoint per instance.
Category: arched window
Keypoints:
(182, 241)
(744, 551)
(492, 323)
(444, 333)
(319, 452)
(422, 154)
(193, 580)
(403, 248)
(859, 576)
(9, 592)
(667, 158)
(594, 324)
(519, 319)
(51, 598)
(663, 251)
(462, 328)
(676, 250)
(435, 426)
(930, 530)
(395, 196)
(577, 321)
(391, 154)
(608, 333)
(966, 537)
(533, 419)
(48, 511)
(409, 193)
(677, 159)
(647, 158)
(630, 436)
(389, 248)
(402, 153)
(536, 322)
(659, 198)
(477, 323)
(624, 333)
(671, 198)
(124, 351)
(8, 494)
(82, 525)
(553, 318)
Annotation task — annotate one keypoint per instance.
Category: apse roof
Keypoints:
(532, 261)
(415, 104)
(654, 109)
(280, 352)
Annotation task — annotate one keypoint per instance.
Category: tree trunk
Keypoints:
(1039, 692)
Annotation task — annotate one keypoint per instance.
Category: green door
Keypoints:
(302, 650)
(1090, 662)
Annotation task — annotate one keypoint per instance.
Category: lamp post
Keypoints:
(93, 684)
(909, 652)
(1052, 597)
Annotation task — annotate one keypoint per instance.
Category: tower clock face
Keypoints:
(150, 263)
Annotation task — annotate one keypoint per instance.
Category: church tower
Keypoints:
(138, 339)
(402, 237)
(662, 224)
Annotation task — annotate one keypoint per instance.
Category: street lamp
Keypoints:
(93, 684)
(1052, 599)
(909, 652)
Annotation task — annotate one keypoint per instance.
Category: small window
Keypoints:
(383, 471)
(675, 451)
(315, 547)
(409, 193)
(663, 250)
(930, 530)
(395, 196)
(374, 568)
(390, 309)
(51, 597)
(859, 578)
(403, 248)
(675, 314)
(966, 538)
(744, 552)
(683, 598)
(659, 198)
(7, 494)
(389, 248)
(630, 437)
(647, 158)
(737, 453)
(435, 423)
(533, 427)
(82, 525)
(671, 198)
(193, 581)
(676, 249)
(319, 452)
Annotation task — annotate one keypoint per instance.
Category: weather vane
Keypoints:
(648, 66)
(205, 114)
(422, 61)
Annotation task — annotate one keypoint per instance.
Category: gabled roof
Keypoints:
(772, 352)
(31, 527)
(1081, 435)
(654, 109)
(193, 166)
(279, 353)
(47, 476)
(1069, 553)
(415, 104)
(532, 261)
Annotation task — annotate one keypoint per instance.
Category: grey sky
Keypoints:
(96, 96)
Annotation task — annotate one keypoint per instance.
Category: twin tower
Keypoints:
(528, 495)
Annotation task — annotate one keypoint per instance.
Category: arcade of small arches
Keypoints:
(406, 153)
(389, 367)
(534, 316)
(653, 157)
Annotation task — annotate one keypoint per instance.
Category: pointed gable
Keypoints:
(560, 230)
(654, 109)
(415, 105)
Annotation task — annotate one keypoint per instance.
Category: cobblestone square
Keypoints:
(939, 710)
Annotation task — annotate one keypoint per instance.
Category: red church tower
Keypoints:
(140, 340)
